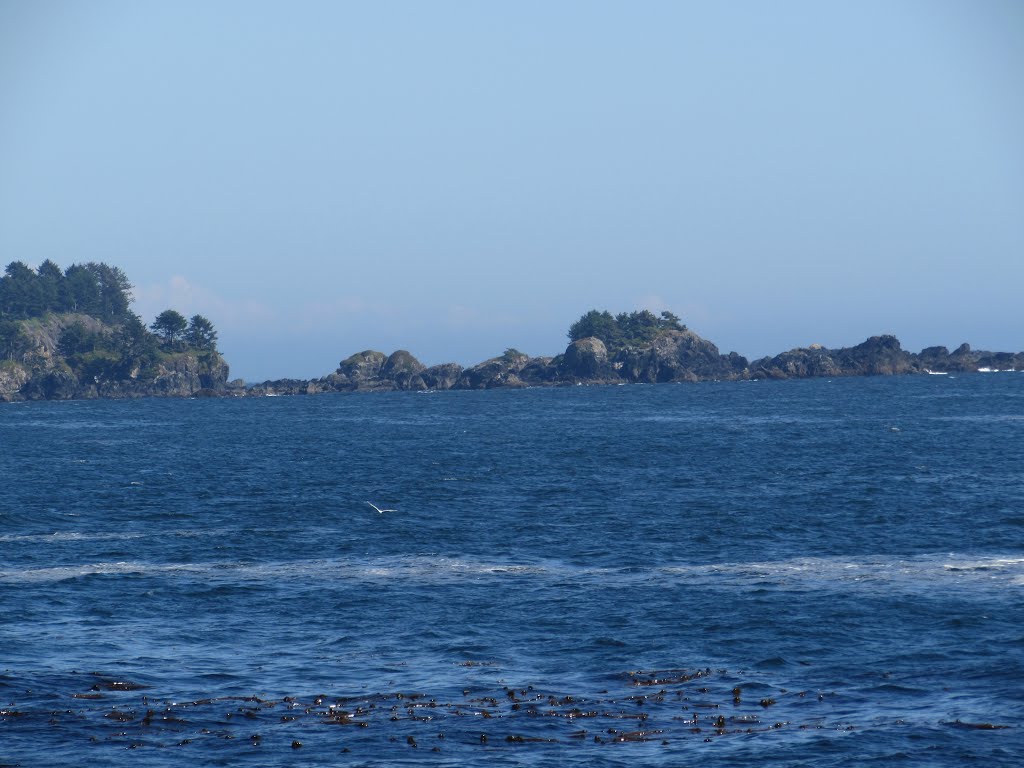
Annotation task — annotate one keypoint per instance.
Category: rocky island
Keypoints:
(638, 347)
(69, 334)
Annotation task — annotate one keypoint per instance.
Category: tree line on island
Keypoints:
(77, 323)
(626, 329)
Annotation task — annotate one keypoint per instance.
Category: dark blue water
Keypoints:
(824, 573)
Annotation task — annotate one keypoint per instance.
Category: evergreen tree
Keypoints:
(200, 334)
(20, 291)
(81, 293)
(600, 325)
(170, 325)
(51, 285)
(114, 292)
(12, 342)
(627, 329)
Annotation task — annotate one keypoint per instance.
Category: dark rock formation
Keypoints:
(587, 359)
(881, 356)
(497, 372)
(672, 355)
(404, 370)
(679, 356)
(963, 359)
(878, 356)
(798, 363)
(363, 366)
(444, 376)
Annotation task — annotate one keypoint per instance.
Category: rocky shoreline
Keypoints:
(672, 356)
(43, 372)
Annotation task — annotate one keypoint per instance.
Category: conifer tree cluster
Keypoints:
(95, 289)
(122, 346)
(626, 329)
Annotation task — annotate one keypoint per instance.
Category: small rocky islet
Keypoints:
(672, 356)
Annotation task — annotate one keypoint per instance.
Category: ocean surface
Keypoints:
(806, 573)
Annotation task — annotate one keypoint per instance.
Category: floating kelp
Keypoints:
(657, 706)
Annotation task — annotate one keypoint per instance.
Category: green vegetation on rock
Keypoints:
(71, 334)
(626, 329)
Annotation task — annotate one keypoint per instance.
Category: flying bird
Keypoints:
(382, 511)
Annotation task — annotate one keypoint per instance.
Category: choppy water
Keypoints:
(797, 573)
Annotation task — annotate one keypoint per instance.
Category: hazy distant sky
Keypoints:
(455, 178)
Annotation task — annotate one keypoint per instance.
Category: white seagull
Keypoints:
(382, 511)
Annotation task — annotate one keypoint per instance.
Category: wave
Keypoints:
(911, 574)
(60, 536)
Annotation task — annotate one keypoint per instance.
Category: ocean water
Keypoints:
(808, 573)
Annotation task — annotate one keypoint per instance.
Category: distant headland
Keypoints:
(69, 334)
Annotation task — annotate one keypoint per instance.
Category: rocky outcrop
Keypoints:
(404, 371)
(679, 356)
(877, 356)
(12, 378)
(109, 367)
(800, 363)
(672, 356)
(362, 366)
(176, 375)
(444, 376)
(503, 371)
(587, 360)
(880, 356)
(963, 359)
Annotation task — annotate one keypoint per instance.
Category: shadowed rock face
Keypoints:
(443, 376)
(586, 359)
(497, 372)
(880, 356)
(45, 370)
(181, 375)
(404, 371)
(678, 356)
(963, 359)
(362, 365)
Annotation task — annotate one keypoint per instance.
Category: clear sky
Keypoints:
(455, 178)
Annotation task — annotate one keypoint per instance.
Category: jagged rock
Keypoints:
(799, 363)
(56, 384)
(678, 356)
(878, 355)
(184, 374)
(444, 376)
(13, 376)
(279, 387)
(1000, 361)
(495, 372)
(539, 371)
(938, 359)
(362, 365)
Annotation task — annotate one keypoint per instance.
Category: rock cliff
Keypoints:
(44, 369)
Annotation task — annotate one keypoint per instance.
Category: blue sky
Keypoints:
(455, 178)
